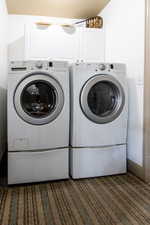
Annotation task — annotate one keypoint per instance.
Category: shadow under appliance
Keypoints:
(38, 121)
(98, 119)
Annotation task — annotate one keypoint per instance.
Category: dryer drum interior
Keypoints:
(38, 99)
(102, 99)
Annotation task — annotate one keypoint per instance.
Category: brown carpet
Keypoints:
(116, 200)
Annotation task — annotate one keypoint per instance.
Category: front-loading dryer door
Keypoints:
(102, 99)
(38, 99)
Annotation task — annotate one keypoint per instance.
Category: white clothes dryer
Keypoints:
(99, 103)
(38, 121)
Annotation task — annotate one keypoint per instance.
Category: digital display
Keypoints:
(18, 68)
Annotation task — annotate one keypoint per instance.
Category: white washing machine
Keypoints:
(38, 121)
(98, 119)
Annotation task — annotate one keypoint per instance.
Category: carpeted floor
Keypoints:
(116, 200)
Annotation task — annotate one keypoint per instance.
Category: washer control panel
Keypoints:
(39, 65)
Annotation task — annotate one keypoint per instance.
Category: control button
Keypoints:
(50, 64)
(102, 67)
(39, 65)
(112, 66)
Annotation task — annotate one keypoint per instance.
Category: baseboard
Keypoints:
(136, 169)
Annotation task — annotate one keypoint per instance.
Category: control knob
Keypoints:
(39, 65)
(102, 67)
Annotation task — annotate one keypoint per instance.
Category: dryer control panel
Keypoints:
(102, 67)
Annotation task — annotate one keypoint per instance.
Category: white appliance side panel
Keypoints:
(26, 167)
(3, 122)
(95, 162)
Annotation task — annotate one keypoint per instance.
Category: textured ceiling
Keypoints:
(57, 8)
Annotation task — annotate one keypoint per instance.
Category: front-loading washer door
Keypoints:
(102, 99)
(38, 99)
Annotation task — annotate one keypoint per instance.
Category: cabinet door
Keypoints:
(53, 42)
(92, 45)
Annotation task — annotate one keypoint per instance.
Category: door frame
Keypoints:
(146, 129)
(144, 171)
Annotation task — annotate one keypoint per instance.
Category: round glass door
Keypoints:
(102, 99)
(38, 99)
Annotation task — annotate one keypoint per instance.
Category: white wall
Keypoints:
(3, 74)
(3, 43)
(124, 22)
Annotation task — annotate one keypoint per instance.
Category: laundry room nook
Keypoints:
(75, 112)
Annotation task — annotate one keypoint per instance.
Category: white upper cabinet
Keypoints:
(59, 43)
(53, 42)
(93, 45)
